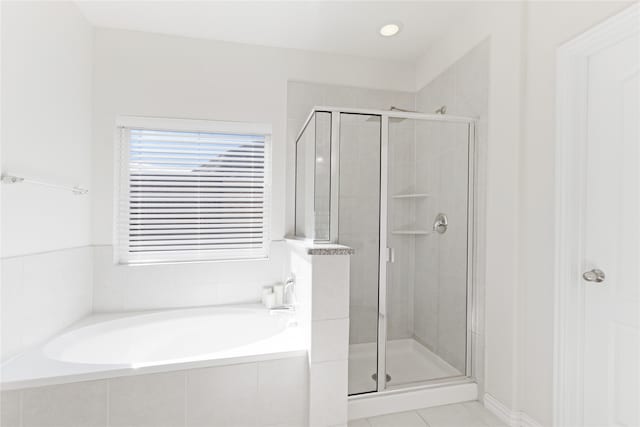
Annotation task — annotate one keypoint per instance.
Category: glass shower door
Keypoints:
(427, 234)
(359, 228)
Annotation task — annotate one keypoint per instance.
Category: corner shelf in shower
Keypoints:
(410, 196)
(412, 232)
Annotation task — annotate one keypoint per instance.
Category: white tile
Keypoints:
(10, 409)
(478, 411)
(123, 288)
(330, 287)
(42, 294)
(328, 393)
(440, 91)
(156, 400)
(222, 396)
(344, 96)
(67, 405)
(329, 340)
(405, 100)
(472, 81)
(13, 306)
(58, 287)
(456, 415)
(234, 294)
(283, 391)
(404, 419)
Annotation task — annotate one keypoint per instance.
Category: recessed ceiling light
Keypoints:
(389, 30)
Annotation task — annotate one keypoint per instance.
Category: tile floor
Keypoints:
(468, 414)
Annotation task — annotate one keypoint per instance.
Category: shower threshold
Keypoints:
(408, 363)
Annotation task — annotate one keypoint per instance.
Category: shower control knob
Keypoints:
(594, 275)
(441, 223)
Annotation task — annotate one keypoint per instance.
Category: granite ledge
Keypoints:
(313, 248)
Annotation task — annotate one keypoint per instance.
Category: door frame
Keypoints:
(571, 125)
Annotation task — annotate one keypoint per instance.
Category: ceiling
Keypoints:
(344, 27)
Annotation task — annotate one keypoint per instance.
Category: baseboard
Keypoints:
(388, 402)
(511, 418)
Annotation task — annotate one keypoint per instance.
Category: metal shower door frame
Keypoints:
(384, 253)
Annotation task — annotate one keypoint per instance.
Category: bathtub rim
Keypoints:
(296, 339)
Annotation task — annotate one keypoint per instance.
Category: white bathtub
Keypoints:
(108, 345)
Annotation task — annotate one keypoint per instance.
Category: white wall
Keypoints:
(166, 76)
(548, 26)
(46, 132)
(518, 253)
(46, 135)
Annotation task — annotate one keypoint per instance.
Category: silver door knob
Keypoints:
(594, 275)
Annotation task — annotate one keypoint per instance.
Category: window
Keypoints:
(191, 190)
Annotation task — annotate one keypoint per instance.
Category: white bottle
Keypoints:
(270, 300)
(266, 291)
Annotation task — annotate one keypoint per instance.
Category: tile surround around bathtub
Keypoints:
(77, 404)
(147, 287)
(43, 294)
(232, 388)
(326, 278)
(10, 414)
(155, 400)
(327, 396)
(265, 393)
(331, 300)
(329, 340)
(283, 392)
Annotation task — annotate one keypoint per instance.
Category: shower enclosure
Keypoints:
(398, 188)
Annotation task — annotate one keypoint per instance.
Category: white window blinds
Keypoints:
(186, 196)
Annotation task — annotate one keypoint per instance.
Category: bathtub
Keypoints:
(111, 345)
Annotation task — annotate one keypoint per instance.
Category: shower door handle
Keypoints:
(391, 255)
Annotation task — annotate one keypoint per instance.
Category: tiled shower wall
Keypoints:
(401, 216)
(440, 287)
(440, 322)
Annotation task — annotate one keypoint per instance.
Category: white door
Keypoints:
(611, 237)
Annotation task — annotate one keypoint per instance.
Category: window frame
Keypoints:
(120, 236)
